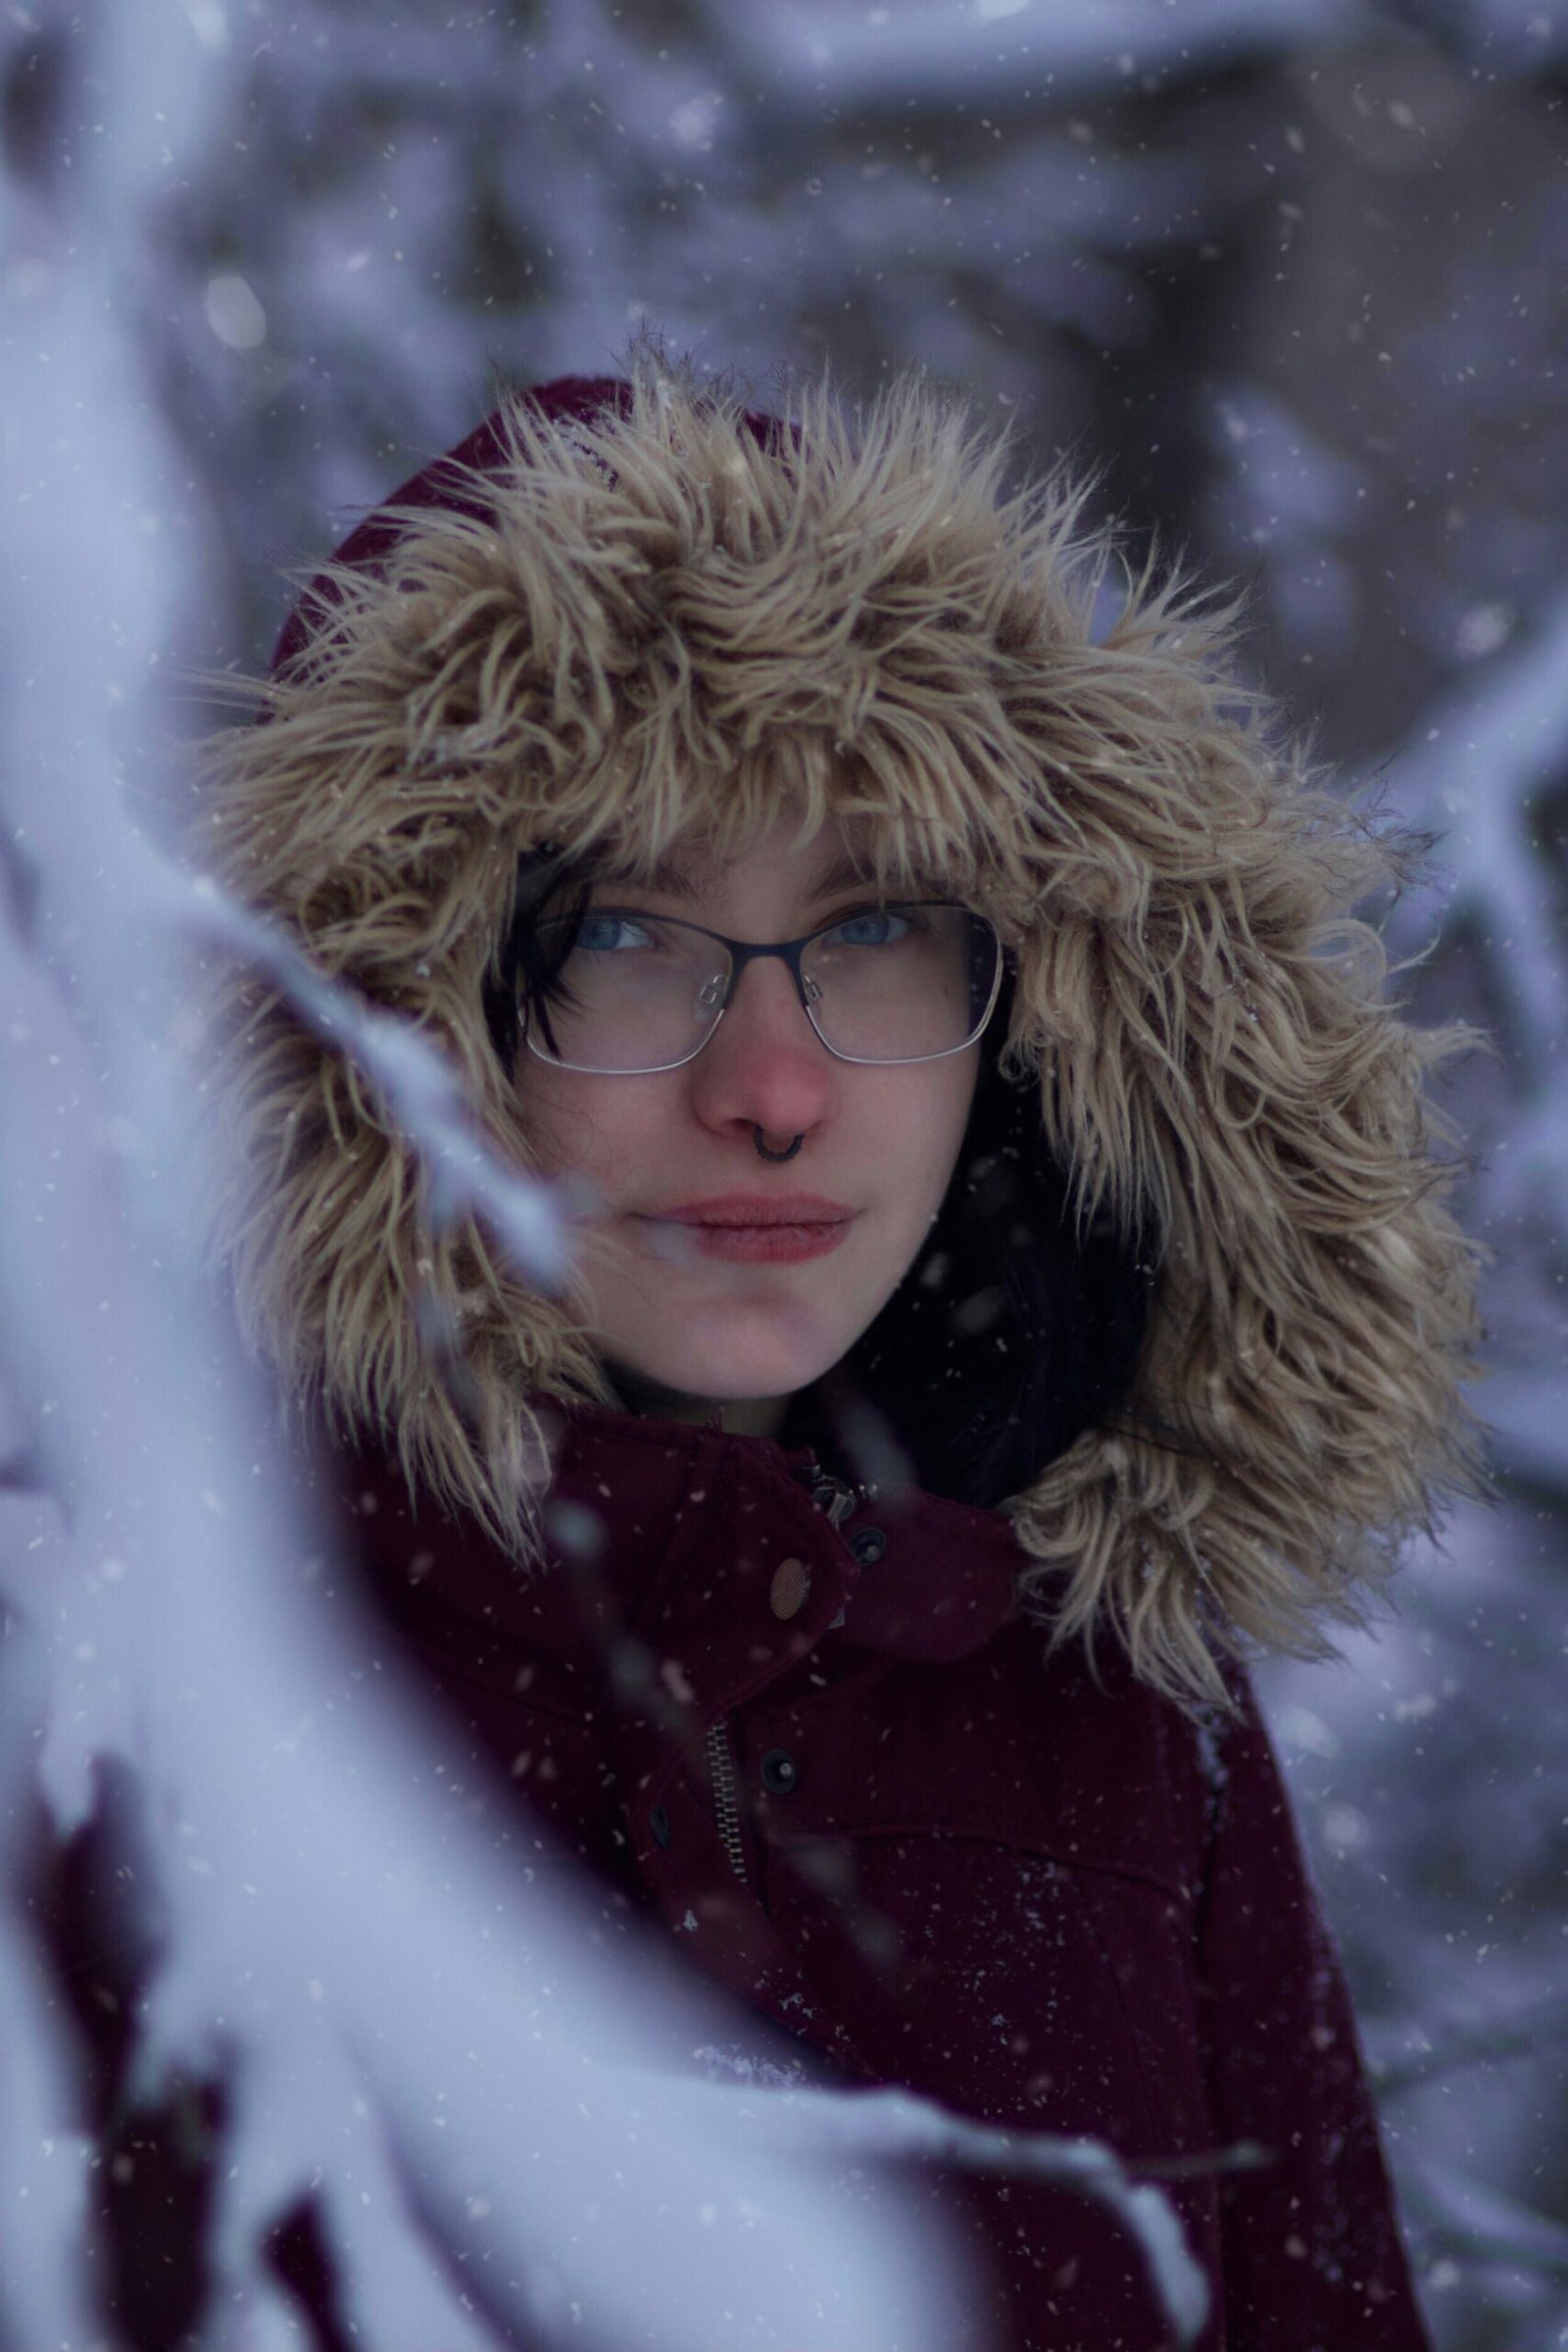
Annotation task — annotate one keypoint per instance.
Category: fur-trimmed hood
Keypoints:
(623, 611)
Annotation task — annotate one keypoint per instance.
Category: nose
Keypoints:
(764, 1064)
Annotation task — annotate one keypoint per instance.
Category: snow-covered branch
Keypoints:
(890, 2126)
(390, 2020)
(987, 49)
(1476, 2221)
(1446, 2050)
(1488, 752)
(434, 2047)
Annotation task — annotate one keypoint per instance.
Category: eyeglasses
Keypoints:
(635, 992)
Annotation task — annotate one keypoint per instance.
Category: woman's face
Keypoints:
(705, 1313)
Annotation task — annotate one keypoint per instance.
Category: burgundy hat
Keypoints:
(448, 481)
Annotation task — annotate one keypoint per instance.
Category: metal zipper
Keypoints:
(722, 1769)
(832, 1497)
(835, 1501)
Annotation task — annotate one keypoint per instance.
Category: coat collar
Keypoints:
(693, 1565)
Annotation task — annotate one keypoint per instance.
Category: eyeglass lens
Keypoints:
(638, 992)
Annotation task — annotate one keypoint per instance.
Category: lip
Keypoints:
(754, 1209)
(759, 1228)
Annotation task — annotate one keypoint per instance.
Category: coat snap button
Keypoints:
(786, 1594)
(779, 1775)
(868, 1546)
(658, 1823)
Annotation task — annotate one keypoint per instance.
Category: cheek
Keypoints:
(942, 1119)
(566, 1138)
(603, 1130)
(915, 1135)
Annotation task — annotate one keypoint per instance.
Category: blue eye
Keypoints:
(603, 934)
(873, 927)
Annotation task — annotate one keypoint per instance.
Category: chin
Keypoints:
(736, 1367)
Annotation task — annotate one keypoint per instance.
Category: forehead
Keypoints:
(814, 858)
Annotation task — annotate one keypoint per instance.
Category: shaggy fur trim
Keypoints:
(669, 623)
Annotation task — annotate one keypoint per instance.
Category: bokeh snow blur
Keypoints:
(1289, 273)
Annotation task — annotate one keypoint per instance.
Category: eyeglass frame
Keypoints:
(742, 952)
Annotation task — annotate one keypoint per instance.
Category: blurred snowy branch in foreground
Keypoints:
(391, 2018)
(484, 2105)
(383, 2012)
(417, 1088)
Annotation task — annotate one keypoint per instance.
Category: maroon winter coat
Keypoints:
(808, 1731)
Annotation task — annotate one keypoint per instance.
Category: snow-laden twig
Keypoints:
(1486, 752)
(894, 2126)
(421, 1096)
(1482, 2226)
(1448, 2049)
(985, 49)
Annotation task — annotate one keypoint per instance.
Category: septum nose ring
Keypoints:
(776, 1157)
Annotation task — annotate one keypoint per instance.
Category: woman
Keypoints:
(1014, 1276)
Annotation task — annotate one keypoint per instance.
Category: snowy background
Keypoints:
(1290, 274)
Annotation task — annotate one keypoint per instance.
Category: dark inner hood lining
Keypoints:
(1010, 1334)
